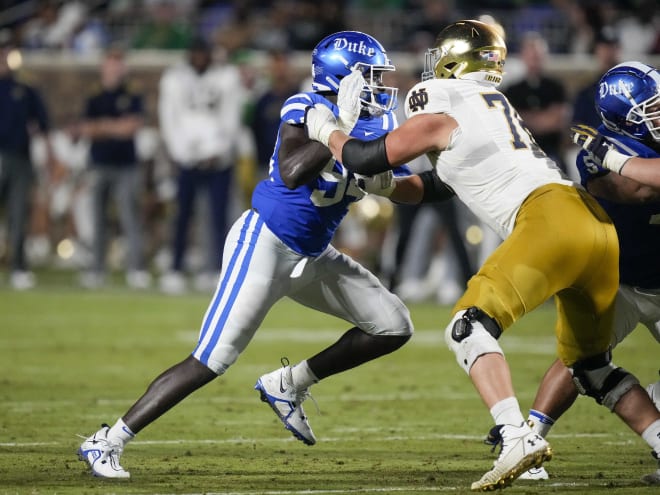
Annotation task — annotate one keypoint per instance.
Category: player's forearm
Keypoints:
(643, 170)
(361, 157)
(336, 142)
(303, 164)
(409, 190)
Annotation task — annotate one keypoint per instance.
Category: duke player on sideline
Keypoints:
(557, 240)
(281, 248)
(628, 102)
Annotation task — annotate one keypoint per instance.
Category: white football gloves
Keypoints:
(597, 145)
(320, 122)
(380, 184)
(348, 100)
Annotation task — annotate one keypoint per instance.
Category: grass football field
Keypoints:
(410, 422)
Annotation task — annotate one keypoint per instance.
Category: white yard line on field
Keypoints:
(391, 489)
(511, 343)
(336, 439)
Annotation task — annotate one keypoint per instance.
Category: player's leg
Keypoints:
(345, 289)
(557, 392)
(584, 346)
(246, 291)
(335, 284)
(536, 261)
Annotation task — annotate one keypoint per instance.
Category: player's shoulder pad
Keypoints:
(427, 97)
(293, 109)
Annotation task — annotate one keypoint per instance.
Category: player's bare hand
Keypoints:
(320, 122)
(599, 147)
(348, 100)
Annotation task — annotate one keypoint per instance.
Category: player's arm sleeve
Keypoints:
(365, 157)
(434, 189)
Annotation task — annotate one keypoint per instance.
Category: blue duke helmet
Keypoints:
(628, 101)
(335, 56)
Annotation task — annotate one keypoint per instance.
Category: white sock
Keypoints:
(507, 412)
(303, 376)
(120, 433)
(652, 436)
(541, 423)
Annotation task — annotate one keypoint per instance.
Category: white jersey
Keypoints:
(492, 162)
(200, 115)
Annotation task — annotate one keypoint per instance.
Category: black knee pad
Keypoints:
(599, 378)
(463, 327)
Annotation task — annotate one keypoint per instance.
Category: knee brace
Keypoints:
(599, 378)
(471, 334)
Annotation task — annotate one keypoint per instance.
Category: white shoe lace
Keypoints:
(300, 394)
(110, 450)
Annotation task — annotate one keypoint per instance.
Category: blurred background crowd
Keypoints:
(132, 132)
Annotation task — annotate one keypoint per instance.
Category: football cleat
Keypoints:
(276, 388)
(654, 477)
(102, 456)
(521, 450)
(494, 438)
(534, 474)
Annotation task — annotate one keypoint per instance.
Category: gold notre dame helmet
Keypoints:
(467, 50)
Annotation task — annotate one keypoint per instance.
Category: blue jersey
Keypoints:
(306, 218)
(637, 225)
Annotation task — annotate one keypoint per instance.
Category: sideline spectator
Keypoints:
(23, 116)
(200, 110)
(113, 117)
(639, 30)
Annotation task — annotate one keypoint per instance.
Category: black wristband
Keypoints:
(434, 189)
(365, 157)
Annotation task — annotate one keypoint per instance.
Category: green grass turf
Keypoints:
(410, 422)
